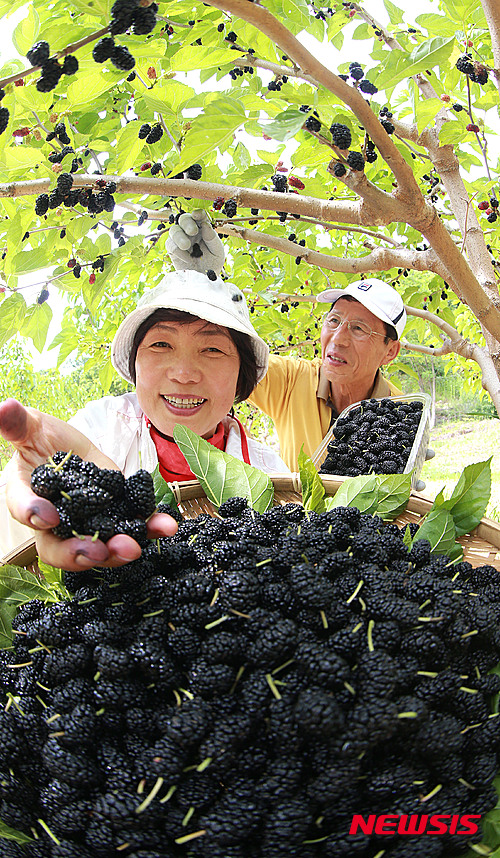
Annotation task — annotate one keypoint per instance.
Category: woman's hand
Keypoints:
(36, 436)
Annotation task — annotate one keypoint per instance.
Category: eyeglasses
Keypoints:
(358, 330)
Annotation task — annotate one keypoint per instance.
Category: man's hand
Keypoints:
(36, 436)
(193, 243)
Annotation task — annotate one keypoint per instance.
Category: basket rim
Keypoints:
(487, 529)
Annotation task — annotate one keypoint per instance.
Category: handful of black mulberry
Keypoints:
(375, 437)
(95, 501)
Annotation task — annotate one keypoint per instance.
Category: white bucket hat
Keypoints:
(377, 296)
(216, 301)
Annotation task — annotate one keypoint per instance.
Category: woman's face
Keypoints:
(187, 373)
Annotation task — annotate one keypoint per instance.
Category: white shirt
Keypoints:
(117, 426)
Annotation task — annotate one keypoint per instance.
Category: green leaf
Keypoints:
(355, 491)
(163, 492)
(221, 475)
(210, 131)
(106, 375)
(12, 311)
(432, 22)
(54, 577)
(9, 833)
(30, 260)
(86, 88)
(451, 132)
(462, 11)
(439, 528)
(97, 8)
(285, 125)
(407, 537)
(426, 110)
(168, 96)
(24, 36)
(205, 58)
(7, 613)
(469, 499)
(401, 65)
(393, 494)
(36, 323)
(18, 585)
(128, 148)
(384, 494)
(313, 491)
(394, 12)
(362, 32)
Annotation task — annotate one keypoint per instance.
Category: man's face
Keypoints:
(347, 360)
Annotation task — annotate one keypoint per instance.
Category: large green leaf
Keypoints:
(210, 130)
(393, 494)
(12, 310)
(24, 36)
(355, 491)
(127, 150)
(35, 324)
(469, 499)
(464, 11)
(313, 491)
(30, 260)
(88, 87)
(400, 65)
(18, 585)
(438, 528)
(221, 475)
(385, 495)
(167, 96)
(285, 125)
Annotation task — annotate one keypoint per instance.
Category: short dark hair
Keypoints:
(390, 332)
(247, 376)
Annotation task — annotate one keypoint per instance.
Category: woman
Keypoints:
(191, 351)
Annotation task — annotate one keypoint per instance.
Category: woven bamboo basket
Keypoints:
(481, 546)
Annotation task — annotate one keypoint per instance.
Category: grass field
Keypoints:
(460, 443)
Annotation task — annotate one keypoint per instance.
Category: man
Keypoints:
(360, 334)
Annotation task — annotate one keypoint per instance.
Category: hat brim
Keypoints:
(330, 296)
(121, 347)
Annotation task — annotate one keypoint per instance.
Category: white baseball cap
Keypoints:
(377, 296)
(216, 301)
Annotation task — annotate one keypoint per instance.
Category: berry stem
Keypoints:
(149, 798)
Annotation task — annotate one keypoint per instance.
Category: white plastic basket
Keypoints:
(416, 456)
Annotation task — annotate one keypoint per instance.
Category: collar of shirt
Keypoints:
(379, 390)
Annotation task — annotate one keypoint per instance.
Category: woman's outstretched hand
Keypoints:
(36, 436)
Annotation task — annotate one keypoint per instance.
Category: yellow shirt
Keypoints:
(295, 397)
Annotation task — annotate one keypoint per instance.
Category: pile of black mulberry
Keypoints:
(375, 437)
(95, 501)
(248, 685)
